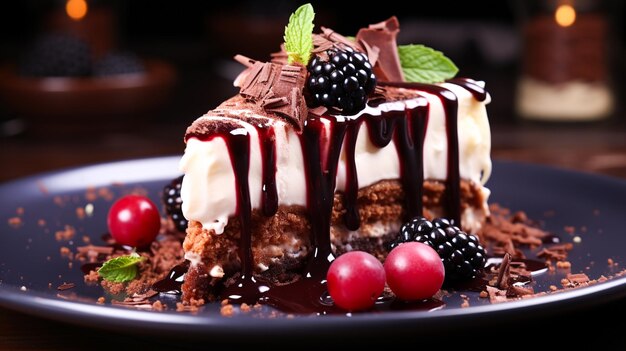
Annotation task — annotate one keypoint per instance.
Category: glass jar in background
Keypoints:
(566, 73)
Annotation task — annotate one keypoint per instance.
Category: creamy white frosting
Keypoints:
(208, 189)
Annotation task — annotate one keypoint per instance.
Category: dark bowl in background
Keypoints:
(69, 104)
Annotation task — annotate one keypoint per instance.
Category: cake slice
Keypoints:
(275, 188)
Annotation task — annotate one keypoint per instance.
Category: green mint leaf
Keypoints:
(120, 269)
(299, 35)
(421, 64)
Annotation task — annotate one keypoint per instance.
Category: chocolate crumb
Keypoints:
(563, 264)
(227, 310)
(92, 277)
(66, 234)
(80, 212)
(245, 308)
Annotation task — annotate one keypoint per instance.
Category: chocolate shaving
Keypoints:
(556, 252)
(579, 278)
(275, 88)
(382, 37)
(504, 272)
(65, 286)
(504, 231)
(517, 291)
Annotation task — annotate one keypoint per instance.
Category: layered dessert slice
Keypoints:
(275, 187)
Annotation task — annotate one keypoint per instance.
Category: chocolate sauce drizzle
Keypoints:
(269, 198)
(453, 181)
(322, 143)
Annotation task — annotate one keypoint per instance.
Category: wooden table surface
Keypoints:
(593, 148)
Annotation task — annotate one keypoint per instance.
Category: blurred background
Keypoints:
(96, 80)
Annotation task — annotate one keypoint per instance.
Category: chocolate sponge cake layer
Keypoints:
(281, 243)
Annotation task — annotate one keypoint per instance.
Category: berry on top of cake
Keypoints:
(329, 148)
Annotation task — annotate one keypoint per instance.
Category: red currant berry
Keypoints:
(134, 220)
(355, 280)
(414, 271)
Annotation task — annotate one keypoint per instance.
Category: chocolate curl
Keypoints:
(275, 88)
(382, 36)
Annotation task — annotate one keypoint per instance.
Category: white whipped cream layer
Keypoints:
(208, 190)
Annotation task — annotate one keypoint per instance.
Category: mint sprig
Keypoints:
(299, 35)
(120, 269)
(421, 64)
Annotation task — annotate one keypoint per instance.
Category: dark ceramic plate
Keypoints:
(31, 266)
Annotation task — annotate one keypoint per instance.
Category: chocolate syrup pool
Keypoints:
(406, 128)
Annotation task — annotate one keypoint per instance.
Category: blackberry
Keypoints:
(173, 202)
(462, 255)
(56, 55)
(118, 63)
(344, 81)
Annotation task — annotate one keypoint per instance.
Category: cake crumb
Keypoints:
(483, 294)
(65, 252)
(15, 222)
(91, 277)
(553, 288)
(245, 308)
(66, 234)
(196, 303)
(224, 302)
(569, 229)
(100, 300)
(19, 211)
(465, 303)
(610, 261)
(41, 222)
(158, 305)
(227, 310)
(113, 288)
